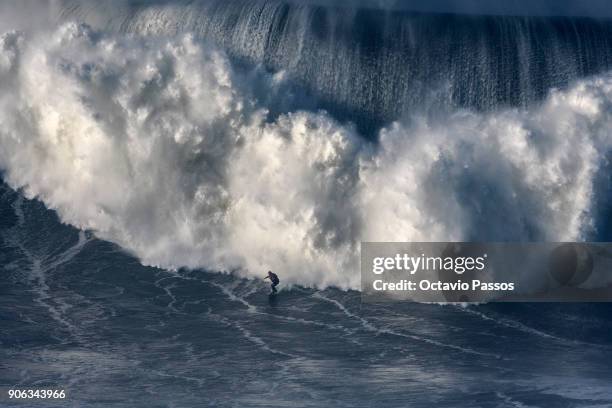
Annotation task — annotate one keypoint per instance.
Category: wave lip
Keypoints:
(373, 65)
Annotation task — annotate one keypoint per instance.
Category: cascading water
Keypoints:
(372, 66)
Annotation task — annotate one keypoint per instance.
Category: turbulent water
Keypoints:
(245, 136)
(162, 146)
(372, 66)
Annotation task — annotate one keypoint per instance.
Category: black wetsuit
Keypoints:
(275, 281)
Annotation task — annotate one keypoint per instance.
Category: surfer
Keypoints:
(274, 279)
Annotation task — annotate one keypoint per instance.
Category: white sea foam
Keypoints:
(161, 146)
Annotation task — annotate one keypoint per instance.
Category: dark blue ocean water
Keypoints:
(80, 314)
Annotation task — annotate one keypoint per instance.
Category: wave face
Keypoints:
(162, 146)
(372, 66)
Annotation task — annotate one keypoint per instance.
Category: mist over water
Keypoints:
(161, 145)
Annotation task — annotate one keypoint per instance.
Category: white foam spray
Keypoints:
(161, 146)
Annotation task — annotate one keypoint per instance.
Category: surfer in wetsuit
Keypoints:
(274, 279)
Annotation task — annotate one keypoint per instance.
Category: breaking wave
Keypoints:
(162, 146)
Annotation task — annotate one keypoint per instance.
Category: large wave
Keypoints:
(160, 145)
